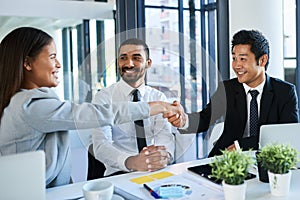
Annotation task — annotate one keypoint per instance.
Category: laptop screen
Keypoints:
(23, 176)
(281, 134)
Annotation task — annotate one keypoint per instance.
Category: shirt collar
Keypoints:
(259, 88)
(127, 89)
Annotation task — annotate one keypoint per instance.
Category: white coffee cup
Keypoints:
(98, 190)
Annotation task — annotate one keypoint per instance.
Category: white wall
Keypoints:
(265, 16)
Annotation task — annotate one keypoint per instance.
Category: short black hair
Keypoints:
(259, 44)
(136, 41)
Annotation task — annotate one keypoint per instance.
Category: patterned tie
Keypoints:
(139, 124)
(253, 114)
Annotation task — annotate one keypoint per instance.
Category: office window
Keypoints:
(170, 3)
(161, 2)
(163, 37)
(289, 20)
(93, 63)
(182, 38)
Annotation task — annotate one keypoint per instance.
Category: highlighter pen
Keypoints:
(152, 192)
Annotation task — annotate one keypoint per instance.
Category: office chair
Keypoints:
(96, 168)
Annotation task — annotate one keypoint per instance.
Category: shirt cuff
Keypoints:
(121, 161)
(186, 125)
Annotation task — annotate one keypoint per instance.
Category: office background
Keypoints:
(189, 43)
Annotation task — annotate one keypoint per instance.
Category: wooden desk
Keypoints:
(256, 190)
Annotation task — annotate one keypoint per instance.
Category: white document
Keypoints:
(193, 187)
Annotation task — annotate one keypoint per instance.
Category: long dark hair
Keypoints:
(14, 49)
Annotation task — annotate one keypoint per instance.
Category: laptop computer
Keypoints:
(22, 176)
(281, 134)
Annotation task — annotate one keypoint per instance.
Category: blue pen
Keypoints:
(152, 192)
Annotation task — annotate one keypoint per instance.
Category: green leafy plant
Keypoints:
(232, 166)
(278, 158)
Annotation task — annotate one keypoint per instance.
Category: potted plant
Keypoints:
(232, 168)
(278, 159)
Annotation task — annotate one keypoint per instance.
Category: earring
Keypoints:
(27, 67)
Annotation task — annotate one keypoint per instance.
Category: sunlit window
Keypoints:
(289, 17)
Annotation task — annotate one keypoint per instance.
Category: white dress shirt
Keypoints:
(113, 145)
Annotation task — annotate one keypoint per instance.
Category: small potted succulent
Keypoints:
(232, 168)
(278, 159)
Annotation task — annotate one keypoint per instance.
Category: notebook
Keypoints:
(22, 176)
(281, 134)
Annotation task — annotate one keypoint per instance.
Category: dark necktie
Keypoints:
(253, 127)
(139, 124)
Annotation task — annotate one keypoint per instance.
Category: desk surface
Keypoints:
(255, 189)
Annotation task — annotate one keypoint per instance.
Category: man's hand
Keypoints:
(165, 108)
(151, 158)
(231, 147)
(179, 118)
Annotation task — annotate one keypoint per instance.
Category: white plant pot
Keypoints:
(234, 192)
(279, 183)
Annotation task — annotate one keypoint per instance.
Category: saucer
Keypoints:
(114, 197)
(117, 197)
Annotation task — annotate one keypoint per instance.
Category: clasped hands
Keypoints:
(153, 157)
(150, 159)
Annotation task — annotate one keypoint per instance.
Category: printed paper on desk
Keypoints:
(179, 187)
(182, 186)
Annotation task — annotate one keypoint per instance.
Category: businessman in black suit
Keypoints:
(276, 100)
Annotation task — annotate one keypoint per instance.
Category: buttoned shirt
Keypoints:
(113, 145)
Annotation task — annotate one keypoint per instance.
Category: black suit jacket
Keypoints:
(279, 104)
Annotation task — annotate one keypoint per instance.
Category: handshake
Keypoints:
(173, 112)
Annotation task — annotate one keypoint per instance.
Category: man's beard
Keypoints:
(131, 78)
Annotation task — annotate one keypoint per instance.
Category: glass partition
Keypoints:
(70, 31)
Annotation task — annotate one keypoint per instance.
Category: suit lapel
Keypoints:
(240, 99)
(266, 99)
